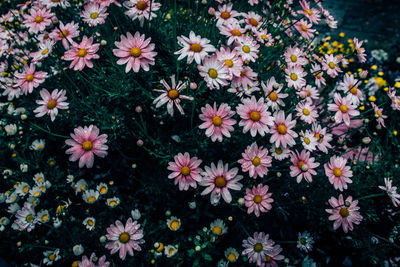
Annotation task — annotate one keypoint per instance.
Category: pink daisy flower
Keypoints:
(246, 79)
(257, 247)
(247, 48)
(281, 130)
(141, 9)
(252, 20)
(391, 191)
(273, 94)
(343, 108)
(272, 256)
(331, 65)
(233, 31)
(81, 54)
(360, 50)
(226, 15)
(94, 14)
(323, 138)
(218, 122)
(295, 77)
(308, 93)
(306, 112)
(135, 52)
(124, 239)
(258, 199)
(255, 116)
(349, 86)
(280, 153)
(344, 213)
(294, 56)
(303, 166)
(194, 47)
(380, 118)
(185, 171)
(90, 262)
(318, 74)
(50, 103)
(171, 96)
(38, 19)
(256, 161)
(85, 143)
(218, 180)
(311, 13)
(309, 141)
(30, 78)
(66, 33)
(338, 173)
(304, 29)
(230, 60)
(45, 49)
(214, 72)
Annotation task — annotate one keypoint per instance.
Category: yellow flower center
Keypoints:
(44, 218)
(256, 161)
(51, 104)
(293, 58)
(231, 257)
(278, 150)
(82, 52)
(90, 222)
(253, 22)
(306, 112)
(91, 199)
(307, 140)
(300, 165)
(94, 15)
(29, 77)
(225, 15)
(255, 116)
(75, 263)
(113, 203)
(308, 12)
(302, 241)
(25, 189)
(173, 94)
(331, 65)
(337, 172)
(196, 47)
(378, 112)
(44, 52)
(258, 247)
(246, 49)
(63, 33)
(220, 182)
(293, 76)
(268, 258)
(52, 257)
(185, 170)
(141, 5)
(273, 96)
(229, 63)
(217, 121)
(236, 33)
(344, 212)
(135, 52)
(281, 129)
(29, 218)
(160, 247)
(257, 199)
(212, 73)
(217, 230)
(303, 28)
(343, 108)
(103, 190)
(38, 19)
(174, 225)
(124, 237)
(87, 145)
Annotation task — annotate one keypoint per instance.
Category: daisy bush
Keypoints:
(189, 133)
